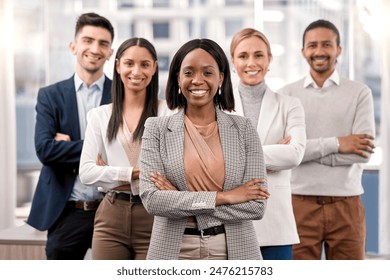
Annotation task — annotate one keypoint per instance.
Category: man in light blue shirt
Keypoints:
(88, 97)
(62, 205)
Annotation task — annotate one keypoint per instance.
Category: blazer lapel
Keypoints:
(175, 144)
(229, 138)
(106, 97)
(269, 108)
(70, 102)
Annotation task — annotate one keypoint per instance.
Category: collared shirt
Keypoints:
(334, 79)
(87, 98)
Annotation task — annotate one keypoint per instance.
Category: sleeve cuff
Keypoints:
(330, 145)
(125, 174)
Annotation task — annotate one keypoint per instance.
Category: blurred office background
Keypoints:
(34, 52)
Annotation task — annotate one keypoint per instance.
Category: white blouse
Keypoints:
(118, 169)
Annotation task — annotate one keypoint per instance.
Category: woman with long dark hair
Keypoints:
(109, 159)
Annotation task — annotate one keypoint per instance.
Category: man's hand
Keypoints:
(62, 137)
(359, 144)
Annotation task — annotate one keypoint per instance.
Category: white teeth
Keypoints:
(252, 72)
(93, 57)
(136, 80)
(198, 91)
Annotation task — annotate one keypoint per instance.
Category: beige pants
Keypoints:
(195, 247)
(122, 231)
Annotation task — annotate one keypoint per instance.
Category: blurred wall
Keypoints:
(7, 118)
(384, 179)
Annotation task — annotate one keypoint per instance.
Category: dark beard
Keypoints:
(321, 70)
(92, 71)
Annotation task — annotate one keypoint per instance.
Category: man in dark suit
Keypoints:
(62, 205)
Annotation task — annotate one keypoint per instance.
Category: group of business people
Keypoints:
(206, 173)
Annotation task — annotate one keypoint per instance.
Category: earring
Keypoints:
(179, 91)
(219, 91)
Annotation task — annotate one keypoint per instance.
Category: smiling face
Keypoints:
(251, 60)
(321, 51)
(199, 78)
(136, 68)
(92, 47)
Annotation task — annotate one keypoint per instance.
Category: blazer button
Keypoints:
(74, 171)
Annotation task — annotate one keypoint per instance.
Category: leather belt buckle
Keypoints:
(86, 206)
(322, 200)
(205, 232)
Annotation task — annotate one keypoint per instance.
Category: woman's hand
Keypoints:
(100, 161)
(251, 190)
(135, 173)
(161, 182)
(285, 141)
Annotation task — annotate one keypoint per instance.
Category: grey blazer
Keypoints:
(162, 151)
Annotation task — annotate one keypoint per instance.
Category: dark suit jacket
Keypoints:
(57, 112)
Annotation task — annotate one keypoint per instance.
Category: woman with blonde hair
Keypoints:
(280, 123)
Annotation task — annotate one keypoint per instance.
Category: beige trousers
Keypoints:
(122, 231)
(195, 247)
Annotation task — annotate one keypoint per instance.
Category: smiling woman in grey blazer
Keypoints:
(202, 170)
